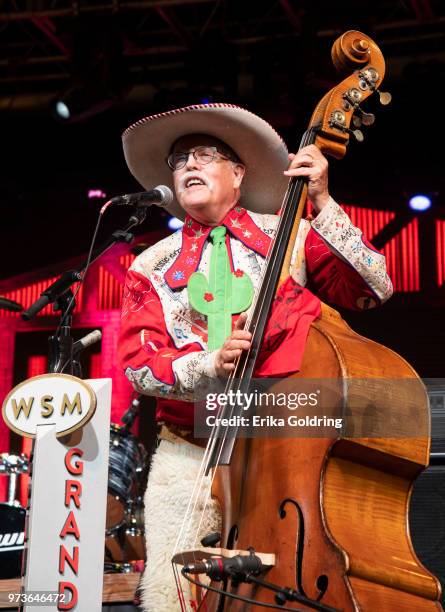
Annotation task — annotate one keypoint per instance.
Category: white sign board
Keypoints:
(66, 528)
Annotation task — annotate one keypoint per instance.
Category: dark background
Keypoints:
(273, 57)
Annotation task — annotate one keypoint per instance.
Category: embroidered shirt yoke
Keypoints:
(163, 340)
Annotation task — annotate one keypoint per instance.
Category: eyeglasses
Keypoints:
(203, 155)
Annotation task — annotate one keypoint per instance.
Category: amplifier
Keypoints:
(427, 509)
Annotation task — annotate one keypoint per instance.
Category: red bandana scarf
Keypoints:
(194, 235)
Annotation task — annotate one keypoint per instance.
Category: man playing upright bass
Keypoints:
(182, 331)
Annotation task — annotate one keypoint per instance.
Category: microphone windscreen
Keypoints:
(167, 194)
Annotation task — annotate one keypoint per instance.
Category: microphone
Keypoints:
(7, 304)
(160, 196)
(219, 568)
(86, 341)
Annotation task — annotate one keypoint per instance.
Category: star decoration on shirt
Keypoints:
(236, 223)
(241, 227)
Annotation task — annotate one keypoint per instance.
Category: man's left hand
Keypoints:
(310, 162)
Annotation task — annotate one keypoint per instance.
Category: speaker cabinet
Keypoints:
(427, 521)
(427, 509)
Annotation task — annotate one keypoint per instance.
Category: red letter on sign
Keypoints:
(73, 490)
(72, 561)
(70, 527)
(77, 468)
(63, 588)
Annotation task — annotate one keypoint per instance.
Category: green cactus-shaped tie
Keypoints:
(222, 295)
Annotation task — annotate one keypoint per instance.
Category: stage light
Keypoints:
(420, 202)
(96, 193)
(62, 110)
(174, 223)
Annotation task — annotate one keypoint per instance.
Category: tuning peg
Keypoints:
(368, 78)
(362, 118)
(384, 96)
(338, 121)
(366, 118)
(358, 134)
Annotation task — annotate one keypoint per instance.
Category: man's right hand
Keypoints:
(232, 347)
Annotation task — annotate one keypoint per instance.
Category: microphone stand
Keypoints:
(59, 293)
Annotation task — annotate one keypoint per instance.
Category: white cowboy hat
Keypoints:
(147, 144)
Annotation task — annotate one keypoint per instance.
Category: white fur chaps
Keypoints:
(174, 469)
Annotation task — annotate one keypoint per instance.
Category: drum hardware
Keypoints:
(120, 568)
(114, 545)
(124, 537)
(130, 415)
(134, 544)
(13, 466)
(12, 517)
(134, 515)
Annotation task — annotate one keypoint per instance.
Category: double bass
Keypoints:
(321, 523)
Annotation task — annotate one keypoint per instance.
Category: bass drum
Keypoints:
(127, 462)
(126, 543)
(12, 537)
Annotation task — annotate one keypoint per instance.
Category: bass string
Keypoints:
(183, 540)
(200, 494)
(286, 218)
(289, 198)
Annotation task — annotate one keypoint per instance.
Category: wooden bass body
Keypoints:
(334, 510)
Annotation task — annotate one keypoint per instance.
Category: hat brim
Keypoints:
(147, 144)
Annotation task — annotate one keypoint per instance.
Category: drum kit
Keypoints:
(124, 535)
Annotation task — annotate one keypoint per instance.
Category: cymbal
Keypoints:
(8, 304)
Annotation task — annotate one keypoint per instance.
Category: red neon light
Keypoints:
(440, 242)
(110, 289)
(30, 293)
(96, 365)
(37, 364)
(401, 252)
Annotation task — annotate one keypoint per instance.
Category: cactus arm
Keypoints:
(242, 292)
(197, 288)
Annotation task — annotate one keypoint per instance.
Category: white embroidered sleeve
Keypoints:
(347, 242)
